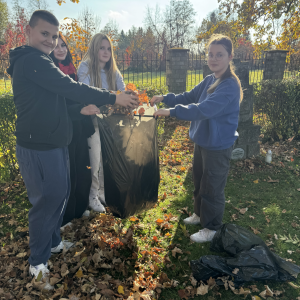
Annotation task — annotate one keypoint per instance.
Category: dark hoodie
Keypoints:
(40, 89)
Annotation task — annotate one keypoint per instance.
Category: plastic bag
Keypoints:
(249, 254)
(130, 162)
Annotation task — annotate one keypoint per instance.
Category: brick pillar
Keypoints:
(176, 70)
(274, 64)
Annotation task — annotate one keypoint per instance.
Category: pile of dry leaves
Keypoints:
(104, 264)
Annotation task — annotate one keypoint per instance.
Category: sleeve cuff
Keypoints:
(112, 98)
(172, 112)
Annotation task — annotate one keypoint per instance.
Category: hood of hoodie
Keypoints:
(16, 53)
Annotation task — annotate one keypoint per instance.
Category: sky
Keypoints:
(125, 13)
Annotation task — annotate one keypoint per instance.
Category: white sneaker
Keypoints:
(86, 213)
(60, 247)
(66, 225)
(202, 236)
(96, 205)
(192, 220)
(36, 270)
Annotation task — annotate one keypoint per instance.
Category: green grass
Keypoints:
(4, 85)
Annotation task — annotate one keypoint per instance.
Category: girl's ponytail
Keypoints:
(219, 39)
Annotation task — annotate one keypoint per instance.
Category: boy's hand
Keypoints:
(162, 113)
(156, 99)
(126, 100)
(90, 110)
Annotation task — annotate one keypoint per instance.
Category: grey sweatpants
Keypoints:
(47, 178)
(210, 170)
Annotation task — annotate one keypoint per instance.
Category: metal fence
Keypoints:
(142, 68)
(151, 68)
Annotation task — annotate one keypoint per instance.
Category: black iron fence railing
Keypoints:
(150, 68)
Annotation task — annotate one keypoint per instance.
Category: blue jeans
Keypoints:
(47, 178)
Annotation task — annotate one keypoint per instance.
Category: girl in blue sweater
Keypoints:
(213, 109)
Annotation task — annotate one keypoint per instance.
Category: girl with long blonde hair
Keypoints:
(213, 109)
(99, 69)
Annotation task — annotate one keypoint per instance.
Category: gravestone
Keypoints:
(248, 132)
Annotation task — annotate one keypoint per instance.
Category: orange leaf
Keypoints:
(292, 159)
(159, 221)
(155, 239)
(141, 111)
(133, 219)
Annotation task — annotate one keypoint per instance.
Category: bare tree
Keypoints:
(174, 26)
(37, 4)
(89, 22)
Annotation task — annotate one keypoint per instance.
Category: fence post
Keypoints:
(247, 143)
(274, 64)
(176, 70)
(206, 71)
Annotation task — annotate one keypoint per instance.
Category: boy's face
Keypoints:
(43, 36)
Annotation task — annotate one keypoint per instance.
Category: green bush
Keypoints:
(277, 107)
(152, 89)
(8, 162)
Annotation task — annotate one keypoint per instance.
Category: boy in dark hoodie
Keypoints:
(44, 130)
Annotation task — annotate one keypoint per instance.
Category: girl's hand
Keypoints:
(156, 99)
(162, 113)
(127, 100)
(90, 110)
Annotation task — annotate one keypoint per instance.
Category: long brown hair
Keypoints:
(226, 42)
(94, 71)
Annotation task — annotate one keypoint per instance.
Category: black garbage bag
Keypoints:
(130, 162)
(232, 239)
(249, 254)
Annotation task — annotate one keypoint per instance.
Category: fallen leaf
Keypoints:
(79, 253)
(256, 181)
(234, 217)
(182, 294)
(176, 250)
(159, 221)
(79, 273)
(268, 220)
(235, 271)
(120, 289)
(211, 282)
(243, 210)
(202, 289)
(293, 285)
(133, 219)
(255, 298)
(266, 293)
(284, 211)
(193, 280)
(255, 230)
(272, 180)
(251, 217)
(275, 236)
(254, 288)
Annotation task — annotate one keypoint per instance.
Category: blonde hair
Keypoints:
(225, 41)
(94, 70)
